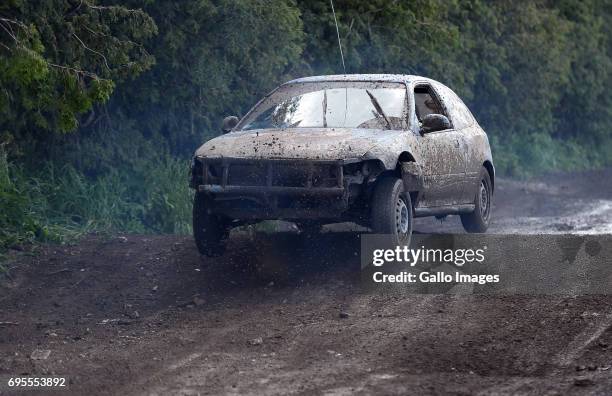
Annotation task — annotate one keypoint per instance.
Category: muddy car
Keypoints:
(377, 150)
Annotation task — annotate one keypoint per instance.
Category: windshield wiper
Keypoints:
(324, 108)
(378, 108)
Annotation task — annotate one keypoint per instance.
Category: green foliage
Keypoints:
(174, 69)
(538, 153)
(59, 57)
(59, 204)
(213, 57)
(381, 36)
(99, 99)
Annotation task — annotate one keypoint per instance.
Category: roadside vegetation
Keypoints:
(59, 204)
(102, 102)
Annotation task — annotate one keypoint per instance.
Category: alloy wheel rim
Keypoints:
(484, 200)
(402, 217)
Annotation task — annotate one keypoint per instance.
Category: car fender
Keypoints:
(389, 150)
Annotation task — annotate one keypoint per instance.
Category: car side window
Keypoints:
(426, 102)
(459, 113)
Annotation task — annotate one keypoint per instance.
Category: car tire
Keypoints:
(209, 231)
(392, 210)
(478, 220)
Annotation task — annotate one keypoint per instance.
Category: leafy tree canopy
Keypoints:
(59, 58)
(535, 73)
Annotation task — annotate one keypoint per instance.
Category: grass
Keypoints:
(59, 204)
(524, 157)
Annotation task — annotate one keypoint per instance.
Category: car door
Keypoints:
(442, 153)
(472, 138)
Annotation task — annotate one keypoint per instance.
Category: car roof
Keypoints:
(360, 77)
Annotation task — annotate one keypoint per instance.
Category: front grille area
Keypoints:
(246, 175)
(271, 173)
(273, 189)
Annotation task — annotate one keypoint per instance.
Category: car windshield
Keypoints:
(364, 105)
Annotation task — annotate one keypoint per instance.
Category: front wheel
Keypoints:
(478, 220)
(209, 230)
(392, 210)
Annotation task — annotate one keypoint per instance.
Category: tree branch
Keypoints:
(9, 32)
(94, 51)
(78, 71)
(102, 8)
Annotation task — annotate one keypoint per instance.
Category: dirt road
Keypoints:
(140, 314)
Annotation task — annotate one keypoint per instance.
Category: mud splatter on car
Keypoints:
(376, 150)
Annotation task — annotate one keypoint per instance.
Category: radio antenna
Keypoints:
(338, 34)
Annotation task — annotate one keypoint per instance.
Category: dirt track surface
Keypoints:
(279, 314)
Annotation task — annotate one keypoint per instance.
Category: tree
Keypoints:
(214, 58)
(60, 57)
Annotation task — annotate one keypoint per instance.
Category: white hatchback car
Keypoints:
(376, 150)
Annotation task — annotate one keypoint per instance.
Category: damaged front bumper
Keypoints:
(272, 188)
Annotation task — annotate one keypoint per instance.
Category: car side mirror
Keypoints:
(229, 123)
(434, 122)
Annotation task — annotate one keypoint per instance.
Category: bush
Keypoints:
(539, 153)
(59, 203)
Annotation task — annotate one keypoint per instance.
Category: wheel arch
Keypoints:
(491, 169)
(406, 156)
(410, 175)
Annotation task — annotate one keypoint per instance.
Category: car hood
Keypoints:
(296, 143)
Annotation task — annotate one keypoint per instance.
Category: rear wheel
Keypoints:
(392, 210)
(209, 230)
(478, 220)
